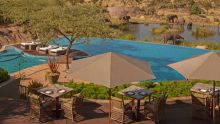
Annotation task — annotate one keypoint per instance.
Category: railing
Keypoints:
(23, 92)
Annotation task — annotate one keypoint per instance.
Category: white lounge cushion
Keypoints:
(48, 48)
(28, 43)
(58, 49)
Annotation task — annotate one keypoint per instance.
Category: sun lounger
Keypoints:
(44, 50)
(30, 45)
(25, 46)
(58, 51)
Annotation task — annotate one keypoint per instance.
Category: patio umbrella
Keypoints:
(110, 70)
(204, 67)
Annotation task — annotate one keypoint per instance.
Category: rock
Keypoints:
(142, 17)
(202, 46)
(13, 34)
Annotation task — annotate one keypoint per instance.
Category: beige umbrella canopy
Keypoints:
(110, 70)
(204, 67)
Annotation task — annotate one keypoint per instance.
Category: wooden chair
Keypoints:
(156, 108)
(72, 106)
(210, 105)
(40, 108)
(119, 110)
(201, 107)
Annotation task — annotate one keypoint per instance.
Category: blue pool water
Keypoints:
(12, 58)
(159, 56)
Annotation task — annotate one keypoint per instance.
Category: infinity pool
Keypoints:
(157, 55)
(13, 59)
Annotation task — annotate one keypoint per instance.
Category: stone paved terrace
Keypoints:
(38, 73)
(16, 112)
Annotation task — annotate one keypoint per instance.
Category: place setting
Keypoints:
(207, 90)
(143, 93)
(130, 93)
(61, 91)
(48, 92)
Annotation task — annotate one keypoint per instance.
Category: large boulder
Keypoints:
(13, 34)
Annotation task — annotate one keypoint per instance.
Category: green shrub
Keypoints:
(3, 75)
(129, 37)
(195, 10)
(171, 88)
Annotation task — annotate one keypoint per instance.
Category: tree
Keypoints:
(195, 9)
(46, 20)
(207, 4)
(73, 22)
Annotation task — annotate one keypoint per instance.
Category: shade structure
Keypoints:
(203, 67)
(110, 69)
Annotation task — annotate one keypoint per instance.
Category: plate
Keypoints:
(203, 90)
(130, 93)
(48, 92)
(62, 91)
(142, 93)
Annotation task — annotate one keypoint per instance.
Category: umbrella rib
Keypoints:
(140, 68)
(199, 67)
(83, 67)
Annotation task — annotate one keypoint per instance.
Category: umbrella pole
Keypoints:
(110, 105)
(213, 103)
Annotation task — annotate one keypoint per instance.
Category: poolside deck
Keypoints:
(38, 72)
(35, 53)
(16, 111)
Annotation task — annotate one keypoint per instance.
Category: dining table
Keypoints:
(136, 93)
(206, 90)
(55, 91)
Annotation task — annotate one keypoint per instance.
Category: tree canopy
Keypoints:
(48, 18)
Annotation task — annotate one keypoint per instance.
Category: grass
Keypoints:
(171, 88)
(165, 28)
(128, 37)
(159, 30)
(202, 32)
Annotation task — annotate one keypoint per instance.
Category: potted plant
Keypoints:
(52, 76)
(34, 86)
